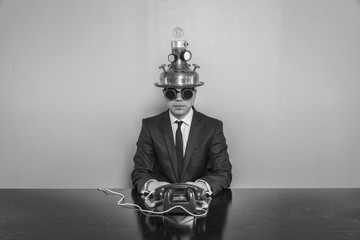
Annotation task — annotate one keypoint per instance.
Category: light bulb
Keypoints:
(178, 34)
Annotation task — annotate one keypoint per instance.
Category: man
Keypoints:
(181, 145)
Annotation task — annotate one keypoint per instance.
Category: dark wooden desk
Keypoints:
(234, 214)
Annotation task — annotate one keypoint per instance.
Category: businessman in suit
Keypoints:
(205, 161)
(181, 145)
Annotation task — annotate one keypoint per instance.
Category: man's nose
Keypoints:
(178, 96)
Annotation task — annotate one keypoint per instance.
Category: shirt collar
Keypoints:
(187, 119)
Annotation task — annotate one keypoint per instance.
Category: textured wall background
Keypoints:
(76, 78)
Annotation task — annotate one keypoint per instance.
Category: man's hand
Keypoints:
(155, 184)
(198, 184)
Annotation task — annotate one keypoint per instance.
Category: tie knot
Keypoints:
(179, 123)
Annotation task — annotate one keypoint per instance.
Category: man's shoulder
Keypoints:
(205, 117)
(156, 118)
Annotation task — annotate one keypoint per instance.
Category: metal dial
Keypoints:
(172, 58)
(186, 55)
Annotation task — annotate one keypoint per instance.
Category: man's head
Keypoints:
(179, 100)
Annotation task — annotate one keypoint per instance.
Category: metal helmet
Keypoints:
(178, 73)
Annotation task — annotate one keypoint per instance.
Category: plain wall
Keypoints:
(77, 77)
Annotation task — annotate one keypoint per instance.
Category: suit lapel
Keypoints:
(192, 140)
(169, 141)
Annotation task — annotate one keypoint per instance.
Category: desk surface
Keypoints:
(233, 214)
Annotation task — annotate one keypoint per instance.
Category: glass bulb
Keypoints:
(178, 34)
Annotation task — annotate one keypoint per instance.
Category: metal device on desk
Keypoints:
(178, 198)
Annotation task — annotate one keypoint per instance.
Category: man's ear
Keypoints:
(193, 98)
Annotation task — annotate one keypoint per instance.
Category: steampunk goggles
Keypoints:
(186, 93)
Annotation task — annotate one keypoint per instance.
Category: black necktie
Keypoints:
(179, 145)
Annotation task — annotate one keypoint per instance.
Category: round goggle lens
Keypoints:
(170, 94)
(187, 94)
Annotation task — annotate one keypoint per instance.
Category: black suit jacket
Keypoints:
(206, 155)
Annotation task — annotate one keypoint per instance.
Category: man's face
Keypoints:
(174, 99)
